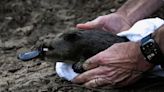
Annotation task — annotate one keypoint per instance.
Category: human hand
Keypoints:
(114, 23)
(119, 65)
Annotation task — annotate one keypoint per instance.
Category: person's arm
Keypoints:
(158, 36)
(124, 17)
(134, 10)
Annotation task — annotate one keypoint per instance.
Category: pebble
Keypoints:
(113, 10)
(10, 44)
(25, 30)
(1, 44)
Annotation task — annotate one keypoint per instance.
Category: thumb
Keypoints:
(86, 26)
(96, 23)
(92, 62)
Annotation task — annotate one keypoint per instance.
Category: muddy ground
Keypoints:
(24, 22)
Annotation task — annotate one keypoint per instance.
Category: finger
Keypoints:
(112, 78)
(101, 58)
(96, 23)
(92, 62)
(85, 26)
(118, 77)
(100, 81)
(132, 78)
(94, 73)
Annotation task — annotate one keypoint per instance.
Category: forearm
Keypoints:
(135, 10)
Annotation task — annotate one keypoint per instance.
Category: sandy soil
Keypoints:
(24, 22)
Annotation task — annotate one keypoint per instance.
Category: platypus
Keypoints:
(77, 46)
(74, 46)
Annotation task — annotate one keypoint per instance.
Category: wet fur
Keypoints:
(82, 44)
(77, 46)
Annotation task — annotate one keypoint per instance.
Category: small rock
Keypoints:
(1, 44)
(10, 44)
(112, 10)
(25, 30)
(14, 67)
(8, 18)
(3, 85)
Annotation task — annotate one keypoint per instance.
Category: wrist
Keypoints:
(124, 17)
(158, 35)
(151, 46)
(142, 64)
(158, 38)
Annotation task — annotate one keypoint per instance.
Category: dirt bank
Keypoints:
(23, 22)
